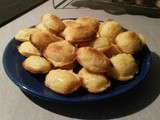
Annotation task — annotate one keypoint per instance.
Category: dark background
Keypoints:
(10, 9)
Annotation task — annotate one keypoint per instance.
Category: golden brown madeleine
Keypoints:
(110, 29)
(41, 27)
(27, 49)
(42, 39)
(102, 44)
(78, 33)
(124, 67)
(94, 83)
(36, 64)
(60, 53)
(53, 23)
(129, 42)
(89, 21)
(62, 81)
(44, 29)
(25, 34)
(112, 51)
(69, 22)
(93, 60)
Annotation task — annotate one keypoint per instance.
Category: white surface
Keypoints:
(14, 105)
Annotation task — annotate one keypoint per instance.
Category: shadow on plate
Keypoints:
(126, 104)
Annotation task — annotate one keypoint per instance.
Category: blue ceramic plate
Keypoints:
(33, 84)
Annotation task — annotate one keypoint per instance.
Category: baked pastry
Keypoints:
(25, 34)
(93, 60)
(94, 83)
(41, 27)
(42, 39)
(129, 42)
(27, 49)
(78, 33)
(89, 21)
(36, 64)
(69, 22)
(53, 23)
(102, 44)
(124, 67)
(110, 29)
(62, 81)
(44, 29)
(60, 53)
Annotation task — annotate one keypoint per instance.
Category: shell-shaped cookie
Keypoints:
(42, 39)
(110, 29)
(27, 49)
(94, 83)
(124, 67)
(53, 23)
(36, 64)
(62, 81)
(129, 42)
(102, 44)
(25, 34)
(60, 53)
(93, 60)
(69, 22)
(89, 21)
(78, 33)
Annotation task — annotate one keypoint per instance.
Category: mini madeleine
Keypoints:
(36, 64)
(60, 53)
(78, 33)
(102, 44)
(53, 23)
(110, 29)
(69, 22)
(129, 42)
(25, 34)
(93, 60)
(44, 29)
(27, 49)
(89, 21)
(62, 81)
(41, 27)
(94, 83)
(42, 39)
(124, 67)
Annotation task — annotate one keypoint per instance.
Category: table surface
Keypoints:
(142, 103)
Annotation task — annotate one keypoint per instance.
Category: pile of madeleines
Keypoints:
(102, 50)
